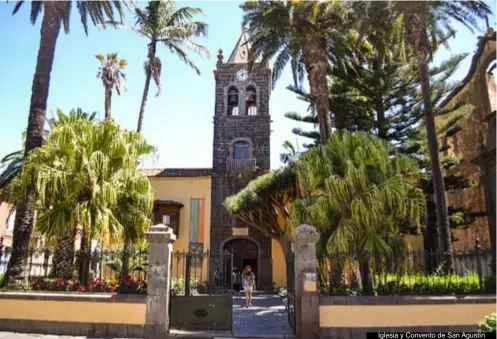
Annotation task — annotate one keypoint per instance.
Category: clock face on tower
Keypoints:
(242, 75)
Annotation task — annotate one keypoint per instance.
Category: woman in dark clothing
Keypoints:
(237, 282)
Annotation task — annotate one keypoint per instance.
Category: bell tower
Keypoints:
(240, 153)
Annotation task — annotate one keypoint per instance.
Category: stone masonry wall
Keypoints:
(255, 130)
(467, 143)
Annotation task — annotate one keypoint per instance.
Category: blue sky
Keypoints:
(179, 121)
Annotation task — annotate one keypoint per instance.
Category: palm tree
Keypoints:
(291, 155)
(55, 15)
(81, 176)
(161, 22)
(301, 33)
(111, 73)
(425, 24)
(359, 192)
(12, 162)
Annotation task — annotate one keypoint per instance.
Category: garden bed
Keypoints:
(418, 284)
(130, 285)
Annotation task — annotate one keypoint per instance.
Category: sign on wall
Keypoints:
(240, 231)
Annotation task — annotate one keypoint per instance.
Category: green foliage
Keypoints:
(258, 193)
(178, 284)
(97, 11)
(138, 263)
(488, 324)
(359, 193)
(419, 284)
(162, 22)
(282, 29)
(85, 174)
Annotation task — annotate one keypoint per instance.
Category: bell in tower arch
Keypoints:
(251, 100)
(232, 101)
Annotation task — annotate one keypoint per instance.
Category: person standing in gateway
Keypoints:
(237, 282)
(248, 281)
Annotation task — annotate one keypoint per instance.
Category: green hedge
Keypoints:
(418, 284)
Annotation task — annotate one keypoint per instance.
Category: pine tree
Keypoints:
(355, 105)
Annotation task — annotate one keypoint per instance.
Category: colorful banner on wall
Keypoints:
(197, 220)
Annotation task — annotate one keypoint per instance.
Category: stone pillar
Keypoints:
(309, 306)
(161, 239)
(305, 239)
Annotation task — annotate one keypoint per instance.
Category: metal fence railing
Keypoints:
(85, 265)
(407, 272)
(201, 272)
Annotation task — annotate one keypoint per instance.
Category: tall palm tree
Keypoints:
(111, 73)
(301, 33)
(358, 193)
(161, 22)
(426, 23)
(55, 15)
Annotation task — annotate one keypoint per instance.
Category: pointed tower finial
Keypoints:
(220, 56)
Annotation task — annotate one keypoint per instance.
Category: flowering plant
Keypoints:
(129, 285)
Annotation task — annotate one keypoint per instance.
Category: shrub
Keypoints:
(98, 285)
(419, 284)
(130, 285)
(488, 324)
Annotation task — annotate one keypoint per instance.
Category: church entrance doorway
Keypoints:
(245, 252)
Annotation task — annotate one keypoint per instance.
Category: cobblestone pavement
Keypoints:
(266, 318)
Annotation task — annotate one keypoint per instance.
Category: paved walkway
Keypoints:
(267, 318)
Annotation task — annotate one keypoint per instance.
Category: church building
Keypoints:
(191, 200)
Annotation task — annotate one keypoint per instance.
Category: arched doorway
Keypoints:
(245, 252)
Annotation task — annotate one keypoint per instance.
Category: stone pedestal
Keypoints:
(305, 239)
(161, 239)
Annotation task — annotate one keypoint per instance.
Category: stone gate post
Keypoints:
(305, 239)
(161, 239)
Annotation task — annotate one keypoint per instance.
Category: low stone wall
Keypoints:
(202, 312)
(66, 313)
(343, 317)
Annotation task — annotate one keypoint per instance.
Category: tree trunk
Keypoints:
(316, 62)
(63, 256)
(23, 225)
(84, 258)
(416, 25)
(380, 112)
(379, 107)
(151, 58)
(336, 268)
(125, 259)
(430, 236)
(144, 100)
(366, 277)
(108, 102)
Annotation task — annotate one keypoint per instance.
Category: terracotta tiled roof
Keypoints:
(177, 172)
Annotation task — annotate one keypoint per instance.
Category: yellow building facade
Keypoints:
(176, 193)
